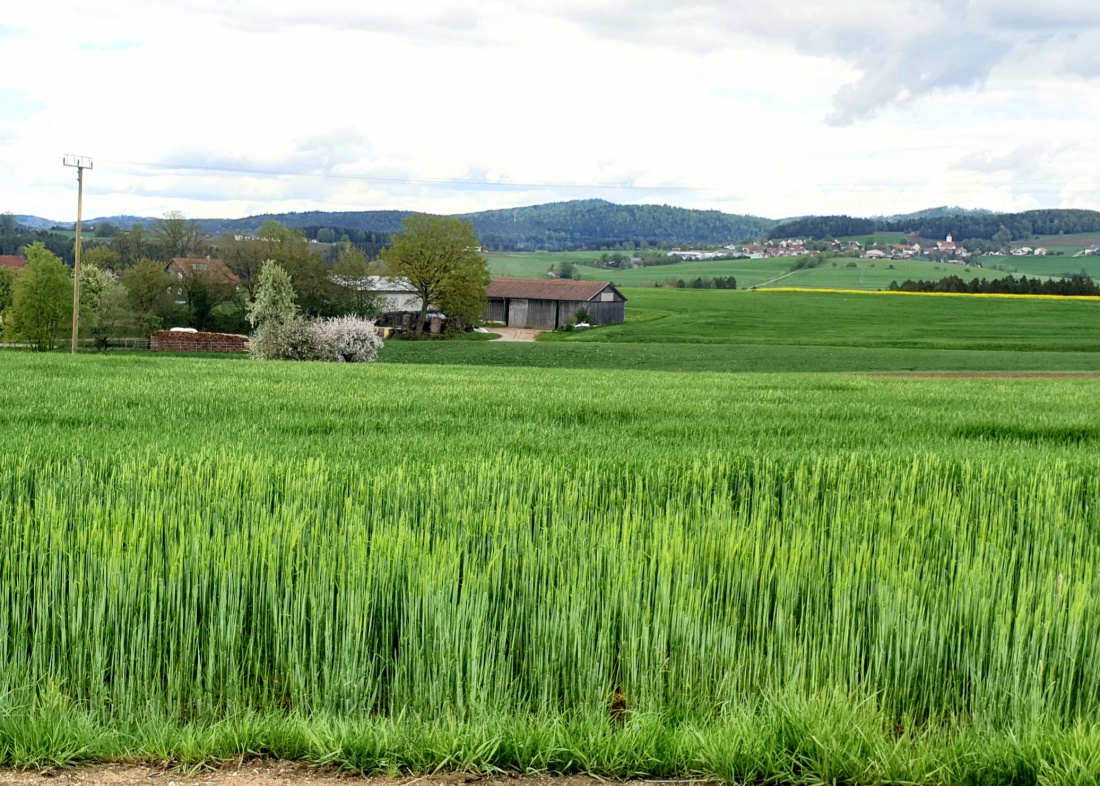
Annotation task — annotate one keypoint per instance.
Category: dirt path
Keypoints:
(774, 280)
(516, 334)
(266, 773)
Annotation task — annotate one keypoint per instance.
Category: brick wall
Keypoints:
(167, 341)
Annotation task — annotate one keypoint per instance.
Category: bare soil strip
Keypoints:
(273, 773)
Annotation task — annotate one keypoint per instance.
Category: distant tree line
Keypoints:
(15, 237)
(820, 227)
(719, 282)
(998, 228)
(370, 243)
(1073, 285)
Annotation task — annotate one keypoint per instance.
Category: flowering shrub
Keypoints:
(282, 333)
(337, 340)
(347, 339)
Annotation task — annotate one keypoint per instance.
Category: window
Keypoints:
(607, 296)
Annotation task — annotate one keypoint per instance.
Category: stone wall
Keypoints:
(167, 341)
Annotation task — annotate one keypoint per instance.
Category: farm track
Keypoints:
(776, 280)
(266, 773)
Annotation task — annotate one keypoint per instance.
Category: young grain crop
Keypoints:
(827, 607)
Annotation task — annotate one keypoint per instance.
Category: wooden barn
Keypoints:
(521, 302)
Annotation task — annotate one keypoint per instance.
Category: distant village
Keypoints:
(946, 250)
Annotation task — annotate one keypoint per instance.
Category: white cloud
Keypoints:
(776, 108)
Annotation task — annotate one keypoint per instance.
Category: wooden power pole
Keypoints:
(81, 163)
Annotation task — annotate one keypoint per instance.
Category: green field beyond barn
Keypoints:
(774, 331)
(755, 578)
(838, 273)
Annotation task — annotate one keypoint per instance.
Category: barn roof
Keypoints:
(205, 268)
(11, 261)
(558, 289)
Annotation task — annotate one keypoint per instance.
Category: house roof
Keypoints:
(205, 267)
(558, 289)
(12, 261)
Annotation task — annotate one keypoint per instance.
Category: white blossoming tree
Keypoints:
(282, 333)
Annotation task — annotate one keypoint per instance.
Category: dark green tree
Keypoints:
(439, 258)
(149, 291)
(42, 298)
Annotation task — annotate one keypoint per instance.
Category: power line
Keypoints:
(753, 188)
(396, 179)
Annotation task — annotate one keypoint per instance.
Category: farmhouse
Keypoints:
(12, 262)
(213, 270)
(519, 302)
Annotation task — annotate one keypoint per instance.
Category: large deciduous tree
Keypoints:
(317, 294)
(149, 290)
(105, 311)
(42, 298)
(102, 257)
(132, 246)
(439, 258)
(177, 236)
(351, 274)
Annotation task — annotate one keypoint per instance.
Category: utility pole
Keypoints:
(81, 163)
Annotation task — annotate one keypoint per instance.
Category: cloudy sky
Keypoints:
(779, 108)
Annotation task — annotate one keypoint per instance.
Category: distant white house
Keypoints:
(690, 256)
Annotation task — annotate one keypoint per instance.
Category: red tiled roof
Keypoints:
(11, 261)
(558, 289)
(204, 267)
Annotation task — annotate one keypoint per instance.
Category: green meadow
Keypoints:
(781, 331)
(877, 274)
(748, 272)
(534, 264)
(1044, 266)
(840, 273)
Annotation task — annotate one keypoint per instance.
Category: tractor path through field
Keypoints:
(272, 773)
(516, 334)
(780, 278)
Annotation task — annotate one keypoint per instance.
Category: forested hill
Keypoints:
(969, 226)
(593, 223)
(386, 221)
(552, 227)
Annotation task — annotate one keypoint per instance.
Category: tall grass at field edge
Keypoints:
(826, 740)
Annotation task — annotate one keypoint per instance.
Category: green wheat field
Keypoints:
(756, 578)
